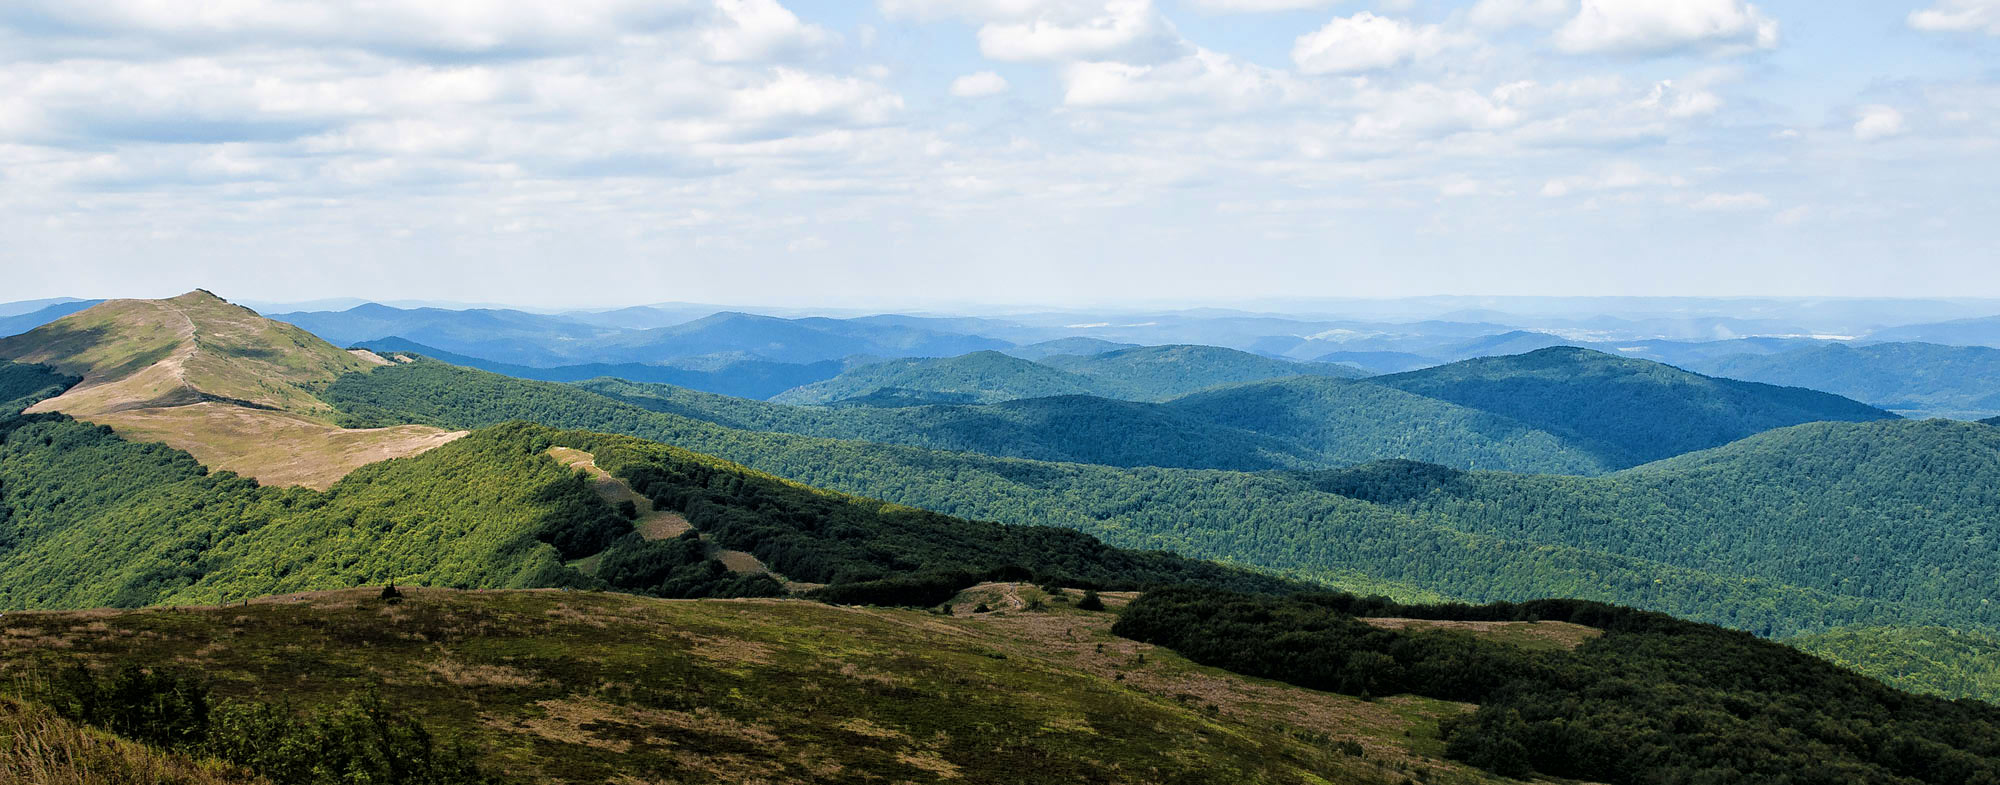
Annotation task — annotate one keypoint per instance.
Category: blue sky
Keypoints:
(600, 152)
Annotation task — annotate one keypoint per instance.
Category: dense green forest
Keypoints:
(1161, 373)
(1076, 428)
(1273, 522)
(1896, 511)
(1625, 411)
(1292, 423)
(1942, 661)
(1143, 373)
(89, 519)
(816, 536)
(1921, 379)
(1652, 700)
(1560, 411)
(979, 377)
(22, 385)
(757, 379)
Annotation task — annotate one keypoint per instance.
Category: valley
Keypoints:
(226, 482)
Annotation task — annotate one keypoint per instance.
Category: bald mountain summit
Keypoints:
(231, 551)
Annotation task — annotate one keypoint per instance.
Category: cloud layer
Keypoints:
(718, 146)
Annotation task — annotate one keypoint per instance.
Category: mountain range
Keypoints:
(187, 452)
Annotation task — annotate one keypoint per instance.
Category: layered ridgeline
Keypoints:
(88, 518)
(1914, 379)
(1311, 526)
(1596, 413)
(238, 391)
(732, 376)
(1143, 373)
(1625, 411)
(1300, 422)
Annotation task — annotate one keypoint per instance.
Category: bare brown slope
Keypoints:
(232, 388)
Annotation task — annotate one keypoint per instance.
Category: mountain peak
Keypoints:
(233, 388)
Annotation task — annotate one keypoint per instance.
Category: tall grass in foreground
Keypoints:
(37, 747)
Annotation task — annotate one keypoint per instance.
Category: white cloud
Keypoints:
(1258, 6)
(756, 30)
(1366, 42)
(977, 85)
(1423, 110)
(1959, 16)
(1501, 14)
(1660, 26)
(1615, 177)
(1732, 202)
(1209, 77)
(1878, 122)
(1130, 30)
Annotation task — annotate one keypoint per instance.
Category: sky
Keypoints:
(611, 152)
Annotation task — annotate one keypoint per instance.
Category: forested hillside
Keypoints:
(755, 379)
(1899, 511)
(1915, 379)
(1627, 412)
(1345, 423)
(1652, 699)
(980, 377)
(1159, 373)
(1953, 663)
(90, 519)
(1275, 523)
(1075, 428)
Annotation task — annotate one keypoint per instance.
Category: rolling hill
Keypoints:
(17, 323)
(1913, 379)
(1345, 423)
(1625, 411)
(979, 377)
(1159, 373)
(215, 379)
(1983, 331)
(756, 379)
(1143, 373)
(1292, 526)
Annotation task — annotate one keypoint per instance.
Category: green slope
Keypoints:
(1275, 523)
(587, 687)
(1916, 379)
(1345, 423)
(1074, 428)
(980, 377)
(88, 519)
(1940, 661)
(1625, 411)
(1159, 373)
(1896, 511)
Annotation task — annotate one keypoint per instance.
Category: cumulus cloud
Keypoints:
(977, 85)
(1731, 202)
(1959, 16)
(1210, 77)
(1660, 26)
(1878, 122)
(1501, 14)
(1615, 177)
(1258, 6)
(1366, 42)
(1130, 30)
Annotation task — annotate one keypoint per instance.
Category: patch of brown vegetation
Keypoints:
(1551, 634)
(462, 674)
(39, 748)
(1083, 641)
(742, 563)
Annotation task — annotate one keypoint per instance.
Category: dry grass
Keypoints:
(174, 371)
(1527, 634)
(39, 748)
(275, 448)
